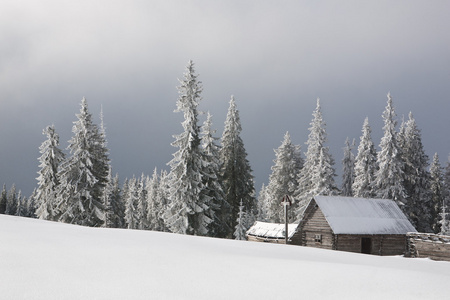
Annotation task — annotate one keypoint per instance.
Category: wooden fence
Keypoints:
(434, 246)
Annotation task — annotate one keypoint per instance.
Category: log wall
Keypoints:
(436, 247)
(316, 224)
(253, 238)
(380, 244)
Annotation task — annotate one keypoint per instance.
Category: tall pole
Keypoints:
(286, 227)
(286, 202)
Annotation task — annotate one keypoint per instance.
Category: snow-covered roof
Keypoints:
(348, 215)
(271, 230)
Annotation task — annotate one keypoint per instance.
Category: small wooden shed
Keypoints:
(371, 226)
(270, 232)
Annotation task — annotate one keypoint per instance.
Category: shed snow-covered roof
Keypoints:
(271, 230)
(348, 215)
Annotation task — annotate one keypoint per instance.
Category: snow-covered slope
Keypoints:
(46, 260)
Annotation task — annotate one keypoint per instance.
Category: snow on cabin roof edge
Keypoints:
(271, 230)
(350, 215)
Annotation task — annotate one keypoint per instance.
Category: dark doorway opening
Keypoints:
(366, 245)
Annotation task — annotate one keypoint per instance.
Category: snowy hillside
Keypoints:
(46, 260)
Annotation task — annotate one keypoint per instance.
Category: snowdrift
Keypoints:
(47, 260)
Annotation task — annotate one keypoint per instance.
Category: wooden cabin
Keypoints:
(371, 226)
(361, 225)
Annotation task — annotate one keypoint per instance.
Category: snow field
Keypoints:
(48, 260)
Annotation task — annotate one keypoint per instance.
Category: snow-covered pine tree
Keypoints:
(141, 207)
(389, 178)
(283, 180)
(153, 204)
(83, 176)
(50, 159)
(324, 176)
(131, 202)
(236, 172)
(163, 199)
(11, 202)
(446, 190)
(102, 163)
(31, 204)
(444, 221)
(418, 204)
(365, 165)
(116, 203)
(348, 170)
(123, 195)
(3, 200)
(262, 205)
(21, 205)
(107, 202)
(241, 226)
(318, 163)
(186, 213)
(437, 197)
(108, 188)
(219, 209)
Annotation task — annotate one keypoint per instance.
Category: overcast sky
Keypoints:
(275, 57)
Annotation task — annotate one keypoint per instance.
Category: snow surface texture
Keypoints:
(47, 260)
(348, 215)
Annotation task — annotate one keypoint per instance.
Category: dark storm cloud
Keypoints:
(276, 58)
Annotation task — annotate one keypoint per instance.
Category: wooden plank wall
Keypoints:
(315, 223)
(253, 238)
(380, 244)
(436, 247)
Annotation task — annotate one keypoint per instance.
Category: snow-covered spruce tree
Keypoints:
(117, 204)
(123, 195)
(236, 172)
(50, 159)
(437, 197)
(365, 165)
(163, 198)
(107, 203)
(446, 190)
(283, 180)
(154, 206)
(131, 201)
(141, 207)
(84, 175)
(317, 174)
(3, 200)
(389, 178)
(444, 221)
(325, 172)
(108, 193)
(31, 205)
(11, 202)
(348, 169)
(418, 204)
(263, 205)
(115, 207)
(187, 210)
(21, 205)
(241, 226)
(213, 190)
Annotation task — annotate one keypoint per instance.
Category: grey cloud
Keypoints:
(276, 58)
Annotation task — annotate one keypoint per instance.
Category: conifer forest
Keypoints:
(208, 187)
